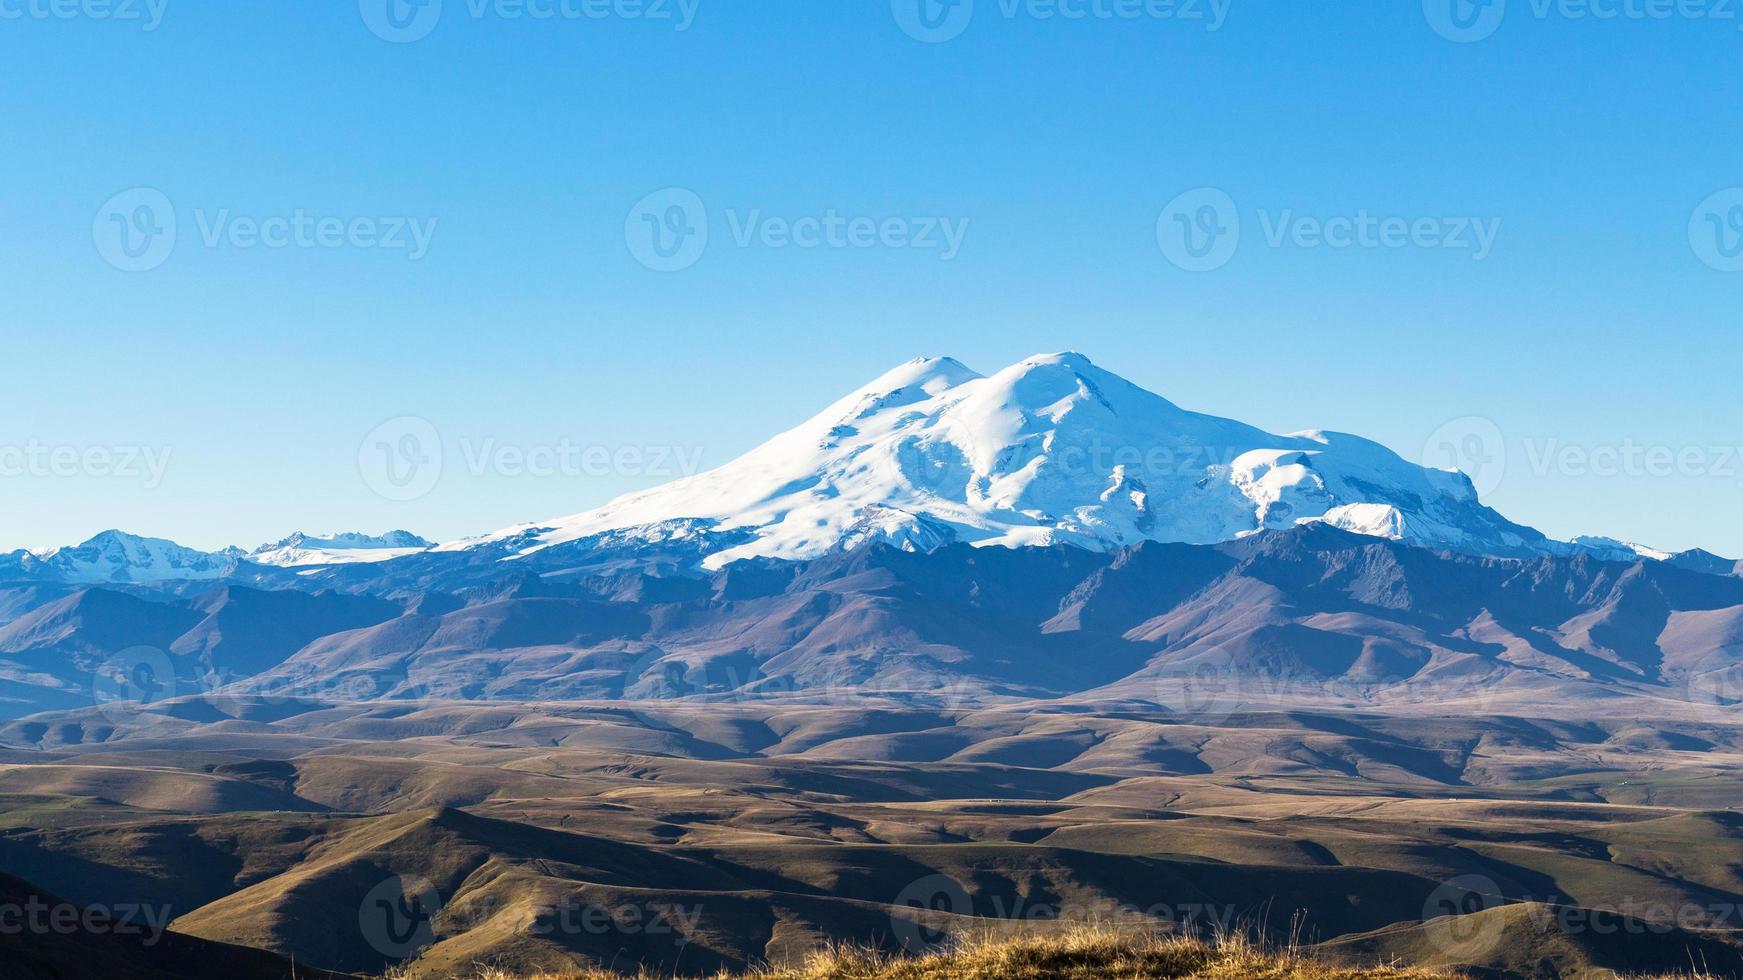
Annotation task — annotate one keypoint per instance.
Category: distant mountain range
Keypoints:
(1051, 531)
(118, 557)
(1309, 617)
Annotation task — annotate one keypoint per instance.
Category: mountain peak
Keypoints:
(117, 556)
(930, 375)
(1043, 381)
(1066, 358)
(115, 537)
(942, 362)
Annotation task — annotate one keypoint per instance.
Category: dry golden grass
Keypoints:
(1088, 953)
(1084, 953)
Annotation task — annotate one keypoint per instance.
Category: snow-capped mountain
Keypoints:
(301, 549)
(115, 556)
(1052, 449)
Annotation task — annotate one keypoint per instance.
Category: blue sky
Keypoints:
(1592, 336)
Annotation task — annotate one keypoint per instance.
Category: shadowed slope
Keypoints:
(47, 938)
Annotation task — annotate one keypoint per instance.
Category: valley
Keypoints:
(696, 836)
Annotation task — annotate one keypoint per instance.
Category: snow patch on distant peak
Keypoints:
(1372, 520)
(898, 529)
(1612, 549)
(349, 540)
(345, 548)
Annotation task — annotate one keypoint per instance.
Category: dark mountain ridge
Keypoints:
(1311, 614)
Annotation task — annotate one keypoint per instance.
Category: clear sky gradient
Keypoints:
(1598, 327)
